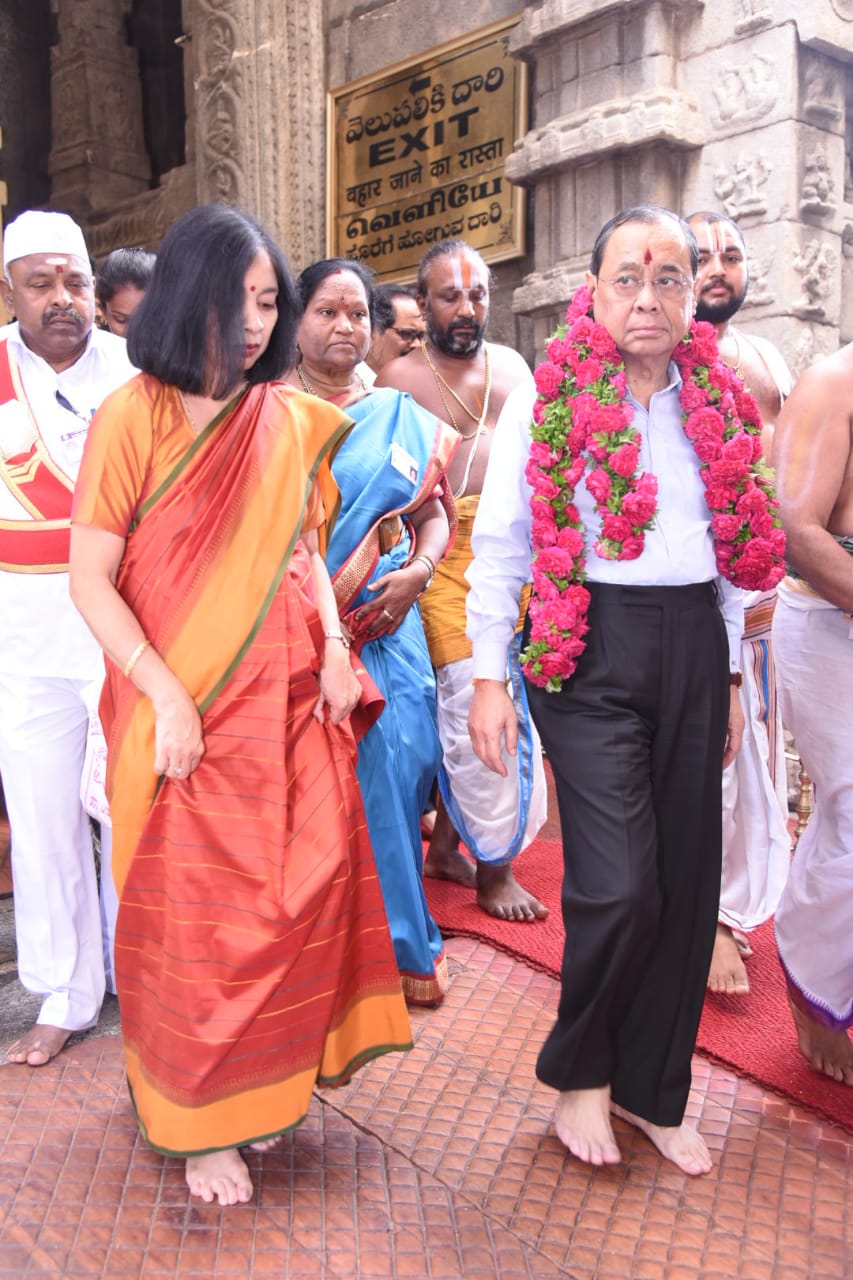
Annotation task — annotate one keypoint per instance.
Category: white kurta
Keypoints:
(51, 671)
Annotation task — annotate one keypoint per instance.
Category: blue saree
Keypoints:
(390, 463)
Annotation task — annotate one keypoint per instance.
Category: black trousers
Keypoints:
(635, 740)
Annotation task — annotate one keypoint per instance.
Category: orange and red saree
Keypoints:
(252, 952)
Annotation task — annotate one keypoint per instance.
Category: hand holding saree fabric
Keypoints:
(394, 593)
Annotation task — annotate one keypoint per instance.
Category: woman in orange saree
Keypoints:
(253, 957)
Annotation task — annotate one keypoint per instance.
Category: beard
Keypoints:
(461, 338)
(720, 312)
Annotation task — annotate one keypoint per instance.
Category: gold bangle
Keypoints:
(337, 635)
(430, 567)
(136, 655)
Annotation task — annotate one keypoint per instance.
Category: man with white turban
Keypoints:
(55, 369)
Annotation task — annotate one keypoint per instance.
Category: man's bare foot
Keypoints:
(219, 1175)
(727, 975)
(38, 1045)
(680, 1144)
(450, 865)
(499, 894)
(828, 1051)
(444, 859)
(582, 1121)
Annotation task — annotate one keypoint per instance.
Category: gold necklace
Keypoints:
(312, 391)
(738, 356)
(481, 421)
(443, 383)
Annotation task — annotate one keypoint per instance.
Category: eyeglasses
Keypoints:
(665, 286)
(409, 335)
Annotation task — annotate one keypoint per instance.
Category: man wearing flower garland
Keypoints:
(632, 660)
(756, 843)
(54, 371)
(813, 639)
(466, 381)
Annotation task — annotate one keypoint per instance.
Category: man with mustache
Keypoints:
(466, 381)
(756, 844)
(55, 369)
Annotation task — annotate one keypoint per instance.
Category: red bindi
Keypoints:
(59, 270)
(252, 288)
(648, 257)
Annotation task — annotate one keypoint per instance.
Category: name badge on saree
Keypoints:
(403, 462)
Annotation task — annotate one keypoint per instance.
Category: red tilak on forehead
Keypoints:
(59, 270)
(252, 288)
(647, 257)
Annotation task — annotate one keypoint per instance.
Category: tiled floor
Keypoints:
(437, 1164)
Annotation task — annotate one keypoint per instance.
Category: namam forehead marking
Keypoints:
(468, 273)
(722, 237)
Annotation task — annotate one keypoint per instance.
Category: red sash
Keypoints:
(41, 544)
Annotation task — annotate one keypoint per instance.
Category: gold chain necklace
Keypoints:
(443, 383)
(481, 421)
(737, 349)
(312, 391)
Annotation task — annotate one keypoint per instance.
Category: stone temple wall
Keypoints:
(745, 106)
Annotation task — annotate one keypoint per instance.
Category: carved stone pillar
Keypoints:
(613, 122)
(743, 106)
(98, 153)
(259, 116)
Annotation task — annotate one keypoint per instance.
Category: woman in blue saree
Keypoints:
(393, 526)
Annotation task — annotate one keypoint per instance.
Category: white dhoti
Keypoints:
(44, 723)
(814, 654)
(756, 842)
(495, 817)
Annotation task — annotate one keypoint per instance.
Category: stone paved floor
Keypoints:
(436, 1164)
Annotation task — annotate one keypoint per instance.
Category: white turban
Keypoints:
(39, 232)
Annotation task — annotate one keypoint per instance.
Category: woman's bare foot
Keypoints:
(267, 1144)
(444, 859)
(38, 1045)
(727, 975)
(220, 1175)
(828, 1051)
(499, 894)
(582, 1121)
(680, 1144)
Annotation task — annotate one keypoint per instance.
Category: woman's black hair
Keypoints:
(188, 329)
(313, 276)
(123, 267)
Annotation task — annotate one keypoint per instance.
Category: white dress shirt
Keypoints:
(41, 633)
(679, 549)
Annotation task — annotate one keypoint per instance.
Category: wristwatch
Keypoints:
(736, 679)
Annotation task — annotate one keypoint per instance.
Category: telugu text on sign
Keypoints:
(417, 155)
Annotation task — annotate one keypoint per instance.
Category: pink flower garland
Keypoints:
(582, 423)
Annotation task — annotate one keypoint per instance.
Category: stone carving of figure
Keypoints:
(818, 185)
(748, 92)
(820, 92)
(816, 264)
(739, 187)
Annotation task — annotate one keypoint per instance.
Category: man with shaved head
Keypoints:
(55, 369)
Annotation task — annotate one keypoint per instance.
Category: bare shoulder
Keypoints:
(829, 382)
(508, 358)
(406, 373)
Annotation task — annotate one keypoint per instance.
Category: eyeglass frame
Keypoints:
(409, 335)
(682, 285)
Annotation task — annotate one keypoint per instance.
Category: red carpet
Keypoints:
(753, 1036)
